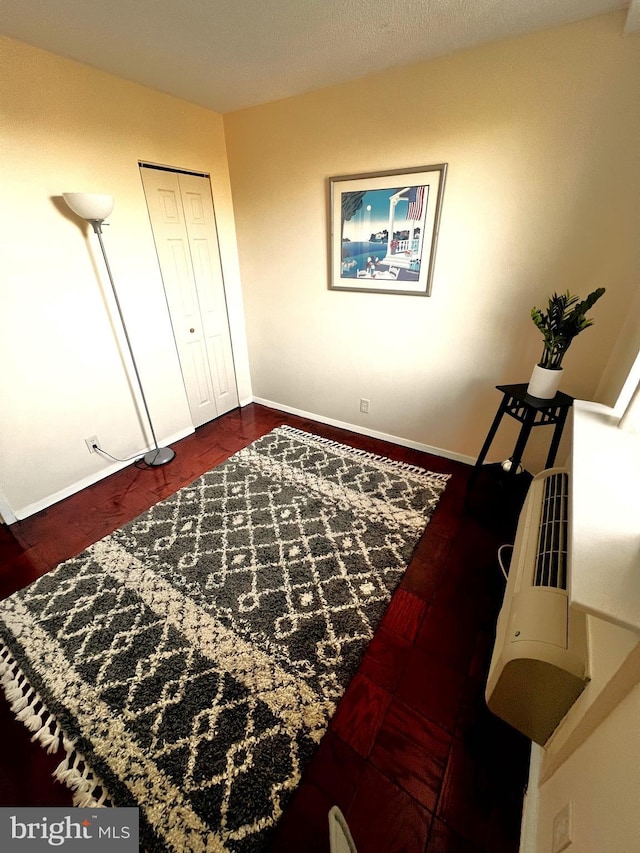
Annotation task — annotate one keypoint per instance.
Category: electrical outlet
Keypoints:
(91, 442)
(562, 830)
(364, 406)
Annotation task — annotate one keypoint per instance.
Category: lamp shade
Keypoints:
(91, 206)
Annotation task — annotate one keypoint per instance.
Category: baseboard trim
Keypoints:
(529, 822)
(78, 486)
(37, 506)
(7, 515)
(371, 433)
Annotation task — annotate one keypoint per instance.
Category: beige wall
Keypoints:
(67, 127)
(540, 134)
(601, 780)
(593, 758)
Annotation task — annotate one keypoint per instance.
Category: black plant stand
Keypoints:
(531, 412)
(498, 495)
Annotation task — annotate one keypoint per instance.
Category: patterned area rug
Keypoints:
(190, 662)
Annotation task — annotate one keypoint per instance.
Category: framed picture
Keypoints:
(384, 230)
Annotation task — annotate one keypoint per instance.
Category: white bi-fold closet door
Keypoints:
(184, 230)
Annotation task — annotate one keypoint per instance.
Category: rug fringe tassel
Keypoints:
(365, 454)
(27, 706)
(73, 771)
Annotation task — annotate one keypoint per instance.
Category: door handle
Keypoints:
(192, 330)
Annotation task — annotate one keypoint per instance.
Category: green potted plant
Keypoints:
(564, 320)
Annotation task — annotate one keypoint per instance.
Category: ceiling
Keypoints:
(231, 54)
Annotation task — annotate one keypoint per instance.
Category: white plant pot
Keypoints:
(544, 383)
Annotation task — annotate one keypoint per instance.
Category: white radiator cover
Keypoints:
(539, 663)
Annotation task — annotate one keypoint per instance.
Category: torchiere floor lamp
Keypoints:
(95, 208)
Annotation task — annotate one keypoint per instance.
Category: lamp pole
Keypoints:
(95, 209)
(159, 455)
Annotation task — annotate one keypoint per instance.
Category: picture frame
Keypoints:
(384, 230)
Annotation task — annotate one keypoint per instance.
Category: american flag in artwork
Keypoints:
(416, 202)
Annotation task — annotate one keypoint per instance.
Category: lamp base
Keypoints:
(159, 456)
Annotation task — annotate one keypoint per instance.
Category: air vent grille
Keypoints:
(551, 557)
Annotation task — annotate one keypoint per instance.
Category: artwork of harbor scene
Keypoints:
(382, 233)
(384, 229)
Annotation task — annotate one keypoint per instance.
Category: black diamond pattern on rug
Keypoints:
(190, 662)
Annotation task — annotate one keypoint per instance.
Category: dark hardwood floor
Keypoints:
(412, 756)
